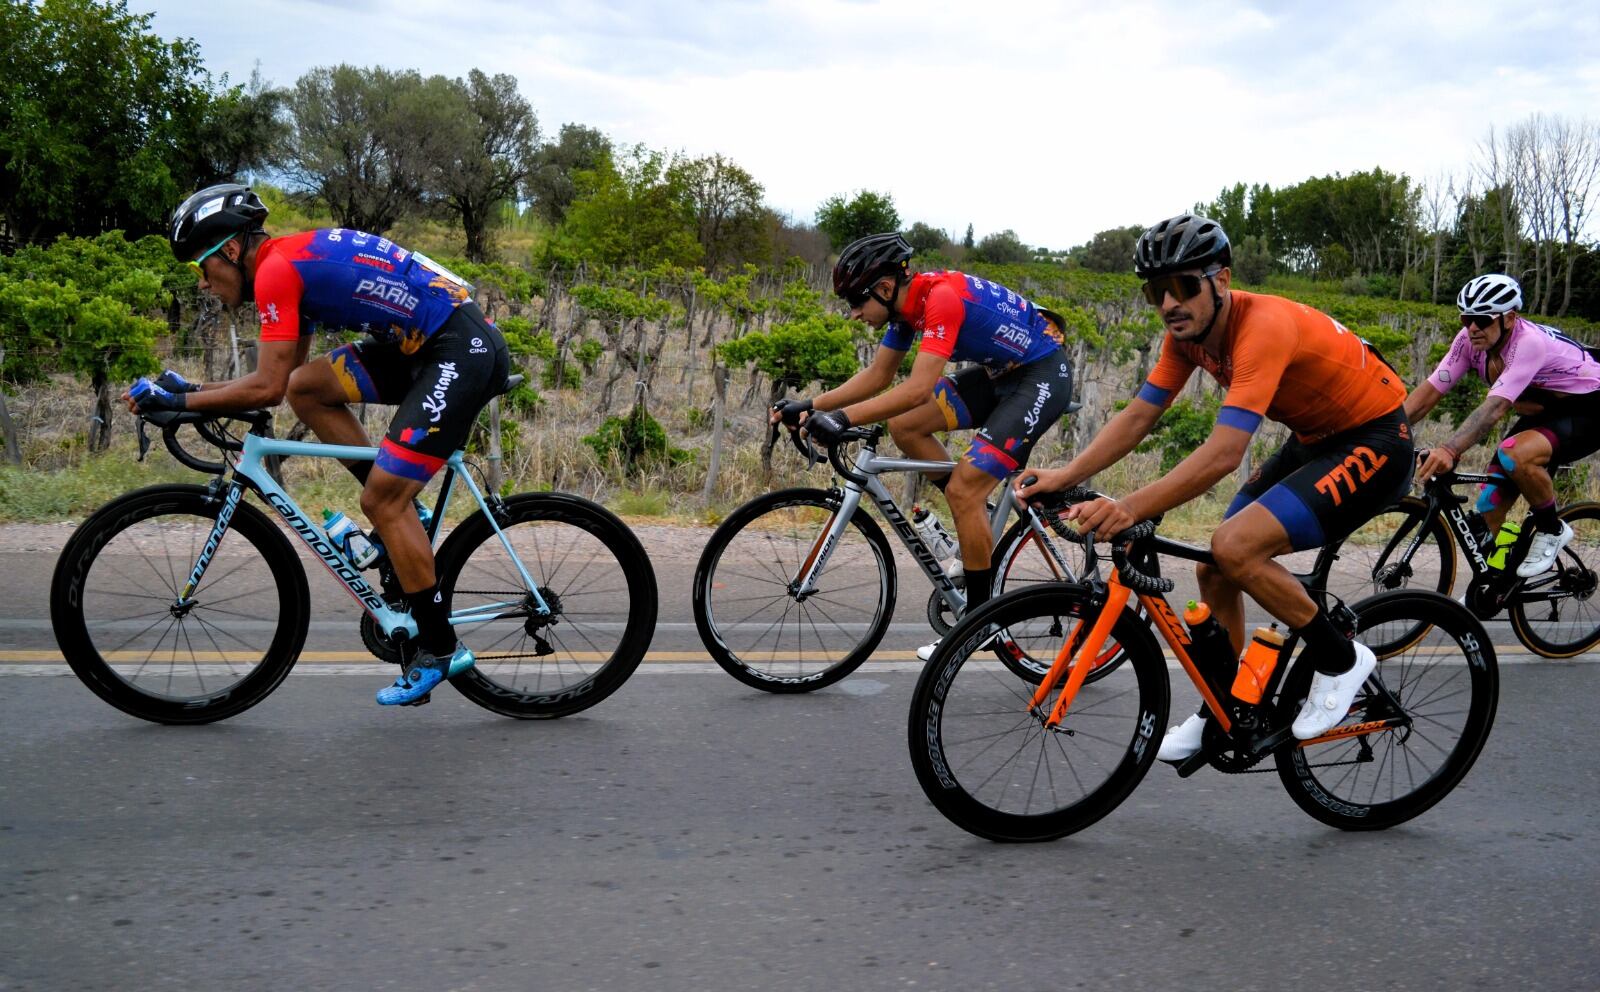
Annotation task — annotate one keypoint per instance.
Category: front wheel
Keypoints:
(599, 596)
(1557, 614)
(752, 620)
(115, 606)
(989, 762)
(1026, 556)
(1442, 686)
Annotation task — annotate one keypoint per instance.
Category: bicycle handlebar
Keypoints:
(204, 424)
(1053, 503)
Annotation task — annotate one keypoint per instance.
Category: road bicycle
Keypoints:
(185, 604)
(1413, 544)
(1012, 759)
(796, 588)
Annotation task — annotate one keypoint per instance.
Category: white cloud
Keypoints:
(1055, 120)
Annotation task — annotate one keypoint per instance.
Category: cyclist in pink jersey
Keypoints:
(1548, 378)
(1020, 382)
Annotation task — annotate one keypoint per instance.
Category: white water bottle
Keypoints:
(933, 533)
(348, 538)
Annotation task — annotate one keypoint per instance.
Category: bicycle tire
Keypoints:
(78, 603)
(1011, 548)
(956, 710)
(1576, 575)
(1383, 564)
(1423, 679)
(568, 545)
(838, 652)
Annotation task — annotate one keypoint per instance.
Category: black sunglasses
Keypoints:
(1479, 320)
(859, 299)
(1182, 287)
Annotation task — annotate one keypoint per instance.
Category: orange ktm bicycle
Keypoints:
(1012, 758)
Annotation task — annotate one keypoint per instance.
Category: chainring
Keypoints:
(1231, 760)
(382, 646)
(939, 616)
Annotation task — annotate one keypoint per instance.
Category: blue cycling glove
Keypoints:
(172, 382)
(151, 398)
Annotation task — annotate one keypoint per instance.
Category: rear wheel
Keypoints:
(1443, 686)
(593, 576)
(115, 606)
(991, 765)
(1560, 618)
(1403, 547)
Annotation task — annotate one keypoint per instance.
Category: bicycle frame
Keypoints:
(868, 466)
(1073, 662)
(250, 472)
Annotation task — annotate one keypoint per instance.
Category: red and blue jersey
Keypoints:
(968, 319)
(339, 278)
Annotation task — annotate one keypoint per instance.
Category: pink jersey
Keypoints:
(1536, 357)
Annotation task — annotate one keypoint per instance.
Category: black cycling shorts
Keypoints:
(1322, 492)
(1570, 423)
(1014, 409)
(439, 390)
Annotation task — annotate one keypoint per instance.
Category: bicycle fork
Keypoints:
(229, 503)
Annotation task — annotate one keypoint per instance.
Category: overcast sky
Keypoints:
(1056, 120)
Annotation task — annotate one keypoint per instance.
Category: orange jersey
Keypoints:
(1283, 360)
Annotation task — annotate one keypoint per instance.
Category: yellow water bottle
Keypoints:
(1503, 543)
(1260, 658)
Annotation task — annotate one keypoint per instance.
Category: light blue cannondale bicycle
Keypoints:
(186, 604)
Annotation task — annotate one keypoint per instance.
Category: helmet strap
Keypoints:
(1216, 310)
(900, 279)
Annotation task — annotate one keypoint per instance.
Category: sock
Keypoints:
(940, 482)
(360, 470)
(1333, 652)
(1544, 518)
(434, 633)
(980, 585)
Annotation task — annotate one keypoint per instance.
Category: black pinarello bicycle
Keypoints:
(795, 589)
(186, 604)
(1413, 543)
(1018, 759)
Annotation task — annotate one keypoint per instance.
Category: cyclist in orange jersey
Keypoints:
(1351, 454)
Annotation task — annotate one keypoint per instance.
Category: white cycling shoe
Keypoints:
(1183, 740)
(1543, 550)
(1330, 697)
(926, 651)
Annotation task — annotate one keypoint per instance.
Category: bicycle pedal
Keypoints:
(1193, 763)
(420, 700)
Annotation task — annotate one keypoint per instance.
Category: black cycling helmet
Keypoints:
(212, 216)
(866, 260)
(1186, 241)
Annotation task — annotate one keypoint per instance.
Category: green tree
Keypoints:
(95, 116)
(843, 221)
(485, 156)
(1111, 250)
(927, 239)
(729, 219)
(629, 212)
(362, 139)
(244, 129)
(552, 185)
(966, 240)
(1002, 248)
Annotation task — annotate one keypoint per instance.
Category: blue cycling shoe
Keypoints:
(425, 673)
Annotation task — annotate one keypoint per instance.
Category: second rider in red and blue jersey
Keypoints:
(1018, 385)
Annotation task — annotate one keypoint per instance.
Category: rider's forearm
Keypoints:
(861, 386)
(248, 392)
(1477, 424)
(1195, 475)
(906, 396)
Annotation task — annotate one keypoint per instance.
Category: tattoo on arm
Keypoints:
(1478, 423)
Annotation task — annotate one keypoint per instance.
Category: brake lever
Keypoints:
(144, 438)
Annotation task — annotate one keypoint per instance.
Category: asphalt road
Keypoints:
(689, 833)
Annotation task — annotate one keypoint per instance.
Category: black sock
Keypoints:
(360, 470)
(1544, 518)
(1332, 652)
(940, 482)
(434, 633)
(980, 584)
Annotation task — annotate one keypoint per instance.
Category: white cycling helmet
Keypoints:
(1489, 296)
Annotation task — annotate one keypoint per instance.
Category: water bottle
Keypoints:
(1260, 658)
(933, 533)
(348, 538)
(1504, 541)
(1209, 644)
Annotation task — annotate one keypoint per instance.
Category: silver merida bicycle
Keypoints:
(186, 604)
(797, 587)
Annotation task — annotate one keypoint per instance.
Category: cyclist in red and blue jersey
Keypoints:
(1018, 385)
(429, 351)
